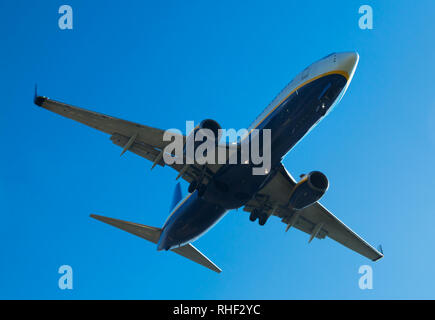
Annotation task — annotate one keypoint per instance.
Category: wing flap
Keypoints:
(140, 148)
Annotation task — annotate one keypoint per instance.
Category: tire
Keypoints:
(262, 219)
(192, 186)
(253, 216)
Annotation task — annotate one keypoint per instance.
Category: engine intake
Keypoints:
(207, 130)
(212, 132)
(213, 126)
(308, 190)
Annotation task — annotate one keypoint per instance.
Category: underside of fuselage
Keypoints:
(234, 184)
(193, 217)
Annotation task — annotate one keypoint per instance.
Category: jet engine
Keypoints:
(308, 190)
(211, 125)
(206, 130)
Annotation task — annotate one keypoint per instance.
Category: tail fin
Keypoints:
(176, 197)
(153, 234)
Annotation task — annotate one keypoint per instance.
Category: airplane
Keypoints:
(215, 189)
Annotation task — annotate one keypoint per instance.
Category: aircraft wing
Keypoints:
(142, 140)
(315, 220)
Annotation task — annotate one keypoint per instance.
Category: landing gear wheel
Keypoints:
(262, 219)
(253, 216)
(192, 186)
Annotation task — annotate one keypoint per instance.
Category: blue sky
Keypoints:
(161, 64)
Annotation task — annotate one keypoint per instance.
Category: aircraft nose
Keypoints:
(347, 61)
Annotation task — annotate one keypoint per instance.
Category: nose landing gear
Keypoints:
(198, 184)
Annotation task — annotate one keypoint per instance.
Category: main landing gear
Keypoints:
(262, 216)
(198, 184)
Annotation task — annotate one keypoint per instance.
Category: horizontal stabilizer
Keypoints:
(190, 252)
(148, 233)
(153, 234)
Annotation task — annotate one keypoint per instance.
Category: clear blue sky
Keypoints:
(162, 63)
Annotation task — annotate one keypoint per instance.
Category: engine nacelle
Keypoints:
(211, 132)
(211, 125)
(308, 190)
(206, 130)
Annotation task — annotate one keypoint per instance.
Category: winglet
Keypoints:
(380, 253)
(38, 100)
